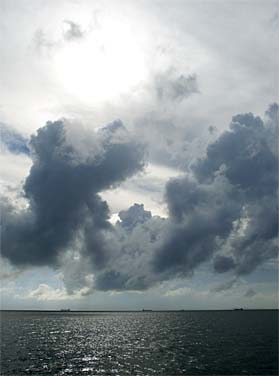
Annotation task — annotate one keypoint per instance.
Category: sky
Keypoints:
(139, 154)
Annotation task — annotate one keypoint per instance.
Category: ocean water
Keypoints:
(139, 343)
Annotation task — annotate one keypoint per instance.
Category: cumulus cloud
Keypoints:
(227, 210)
(222, 211)
(134, 215)
(246, 157)
(201, 216)
(244, 154)
(62, 191)
(131, 250)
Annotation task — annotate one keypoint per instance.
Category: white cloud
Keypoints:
(44, 292)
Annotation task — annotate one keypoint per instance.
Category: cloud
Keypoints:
(13, 140)
(45, 42)
(44, 292)
(72, 30)
(131, 249)
(225, 286)
(134, 215)
(172, 142)
(180, 291)
(274, 21)
(228, 207)
(223, 211)
(223, 263)
(8, 272)
(42, 42)
(170, 86)
(201, 216)
(62, 191)
(247, 158)
(250, 293)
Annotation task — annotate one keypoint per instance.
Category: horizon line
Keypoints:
(137, 310)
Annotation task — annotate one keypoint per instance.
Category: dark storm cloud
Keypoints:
(201, 215)
(111, 280)
(117, 280)
(62, 191)
(229, 205)
(247, 157)
(13, 140)
(175, 87)
(260, 239)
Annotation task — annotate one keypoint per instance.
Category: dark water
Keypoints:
(143, 343)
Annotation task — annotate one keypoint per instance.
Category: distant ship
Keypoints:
(65, 310)
(147, 310)
(238, 309)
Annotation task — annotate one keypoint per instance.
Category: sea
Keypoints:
(139, 343)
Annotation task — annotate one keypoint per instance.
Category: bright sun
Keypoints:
(104, 64)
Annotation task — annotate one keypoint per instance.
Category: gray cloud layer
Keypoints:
(223, 211)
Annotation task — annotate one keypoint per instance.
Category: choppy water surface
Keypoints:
(139, 343)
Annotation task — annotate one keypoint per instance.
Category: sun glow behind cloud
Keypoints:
(102, 65)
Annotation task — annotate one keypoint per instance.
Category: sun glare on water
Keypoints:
(105, 63)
